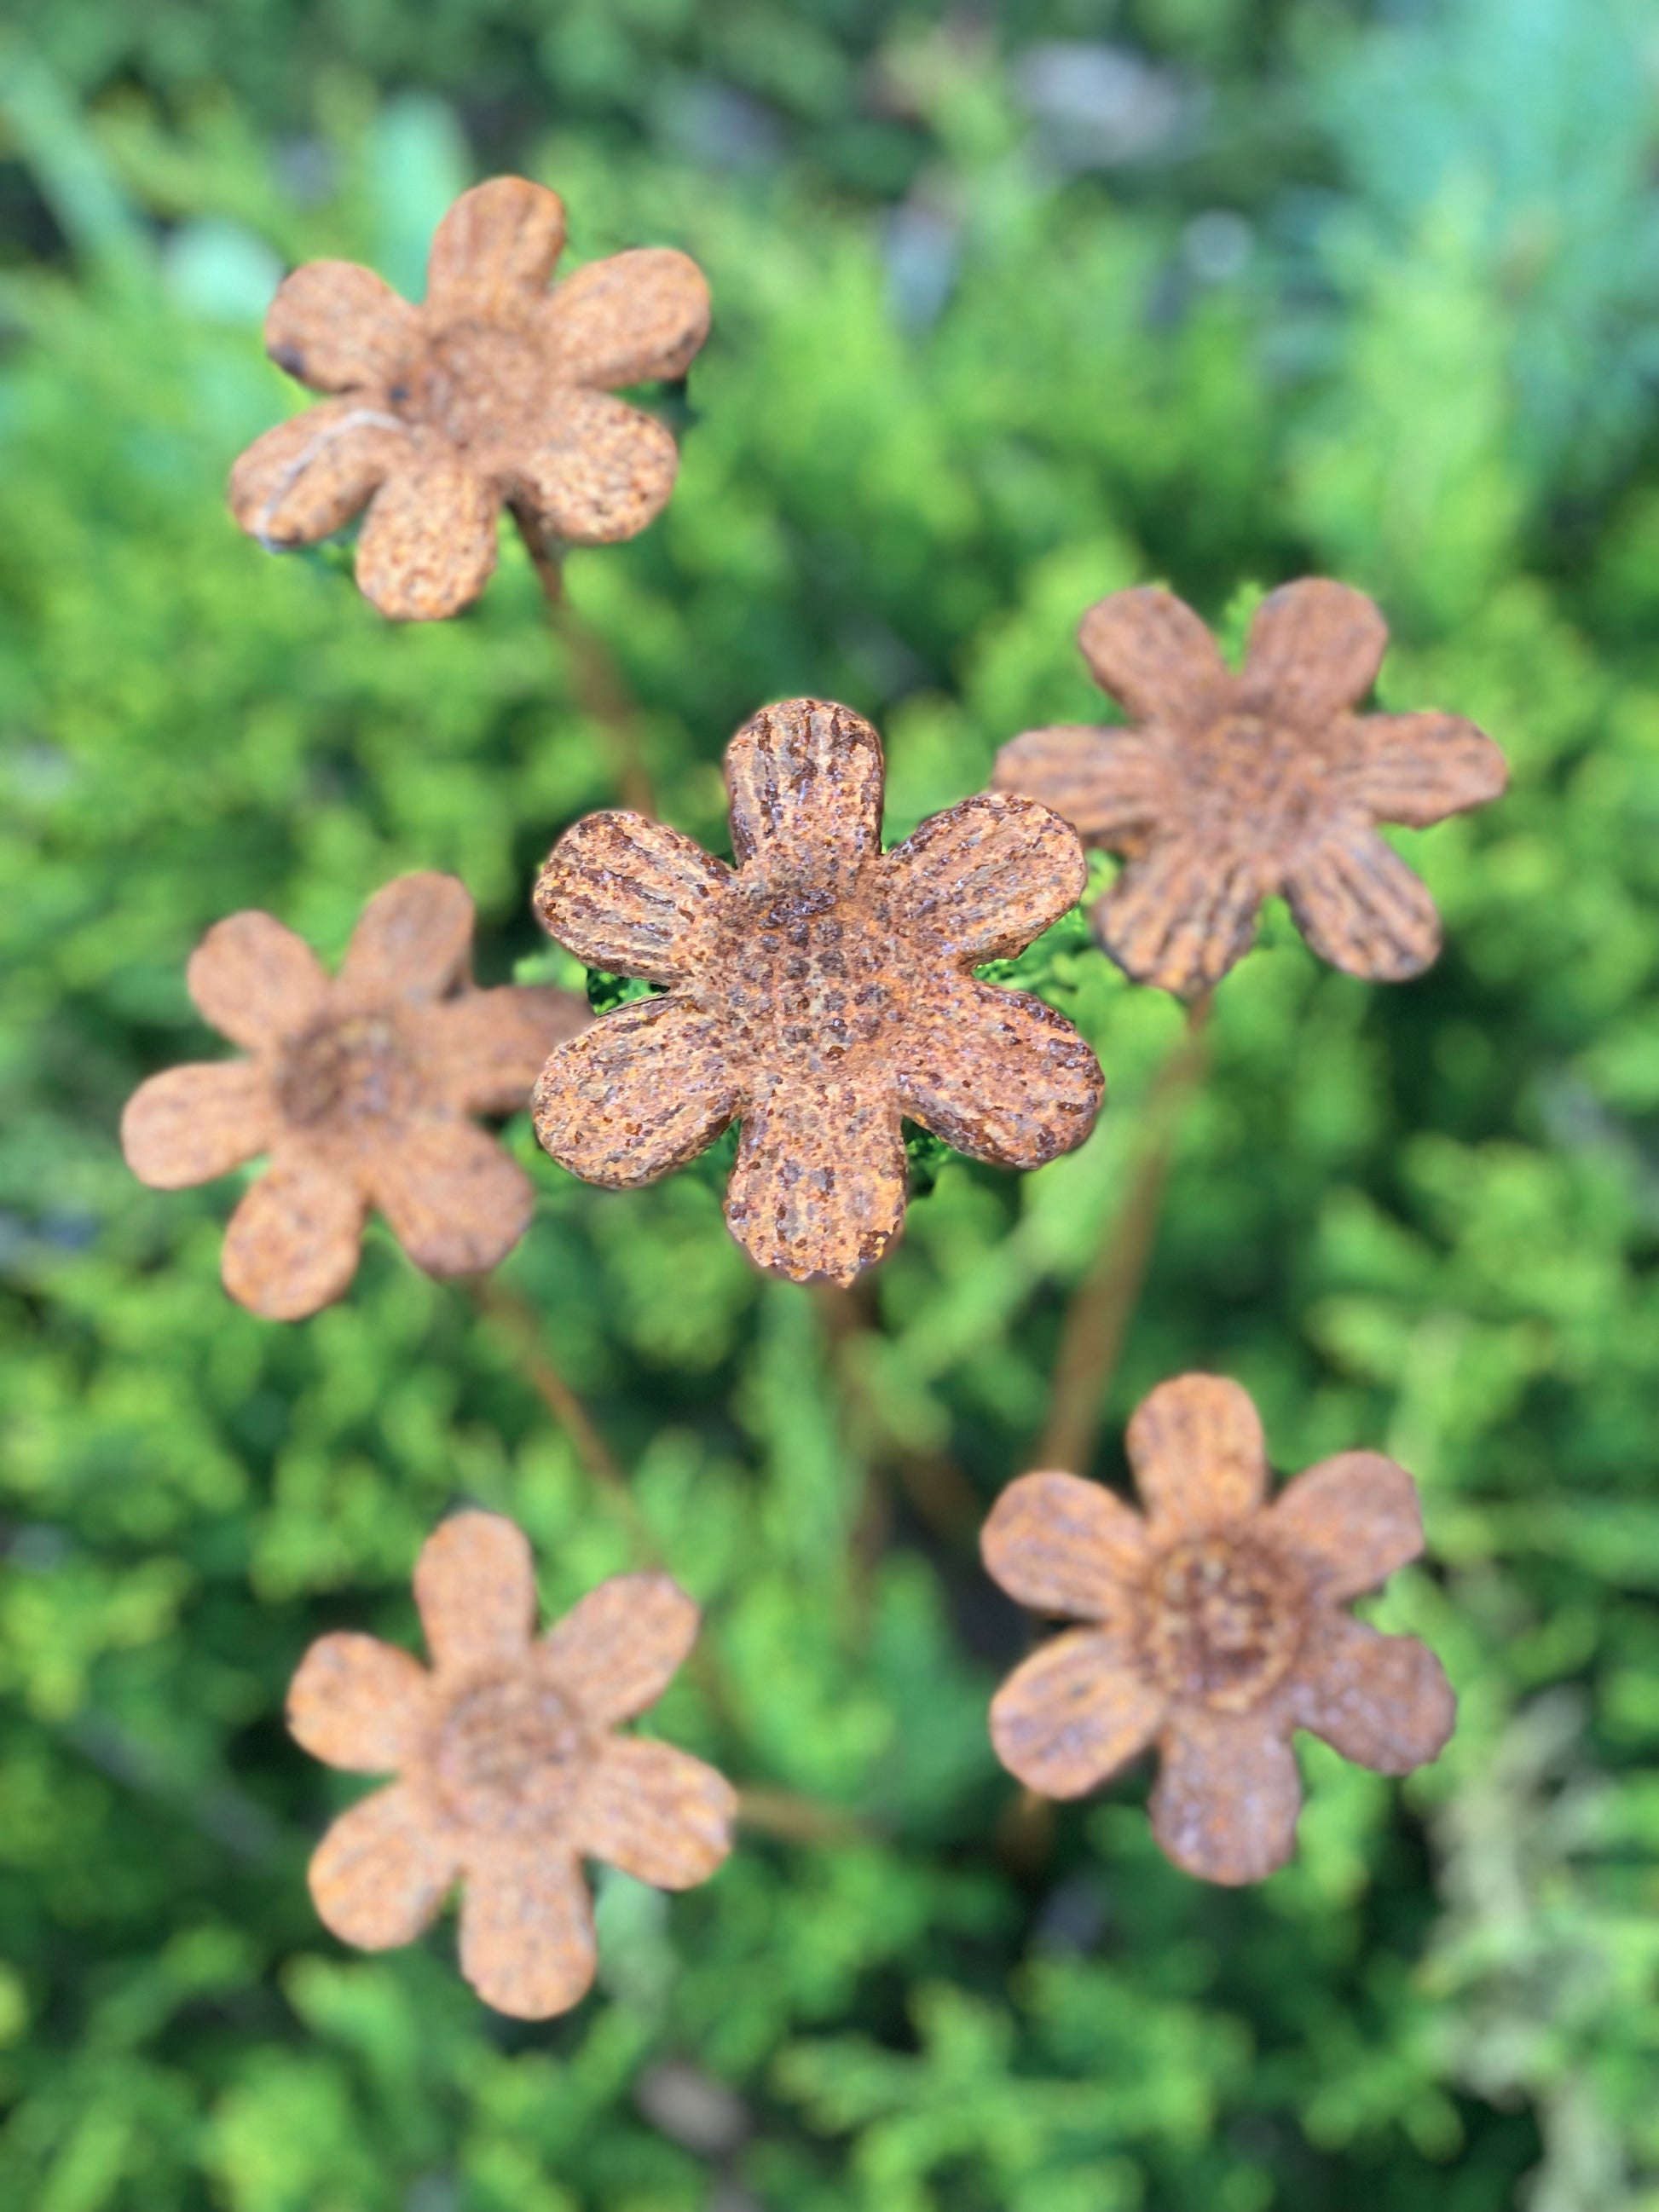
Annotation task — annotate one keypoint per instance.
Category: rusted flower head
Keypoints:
(359, 1088)
(509, 1769)
(1216, 1625)
(493, 391)
(819, 992)
(1228, 789)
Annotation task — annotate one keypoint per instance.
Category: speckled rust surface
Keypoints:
(494, 392)
(819, 992)
(359, 1088)
(1227, 789)
(1214, 1626)
(509, 1768)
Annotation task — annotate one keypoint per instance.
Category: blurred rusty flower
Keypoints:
(1228, 789)
(509, 1768)
(1216, 1625)
(818, 993)
(495, 390)
(359, 1088)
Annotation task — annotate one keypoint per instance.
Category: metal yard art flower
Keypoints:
(360, 1088)
(495, 390)
(818, 993)
(1227, 789)
(1215, 1626)
(510, 1771)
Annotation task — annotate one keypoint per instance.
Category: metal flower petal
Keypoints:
(1147, 648)
(306, 478)
(998, 1074)
(655, 1812)
(527, 1944)
(1197, 1453)
(380, 1874)
(1355, 1518)
(805, 780)
(640, 1092)
(493, 251)
(428, 546)
(818, 1192)
(986, 876)
(487, 1048)
(1383, 1701)
(1416, 769)
(633, 895)
(475, 1584)
(294, 1241)
(618, 1649)
(590, 469)
(358, 1703)
(1314, 651)
(1066, 1546)
(1361, 907)
(1107, 783)
(454, 1200)
(340, 328)
(192, 1123)
(1181, 915)
(1228, 1792)
(255, 981)
(1074, 1713)
(631, 318)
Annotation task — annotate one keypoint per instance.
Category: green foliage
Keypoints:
(1422, 1218)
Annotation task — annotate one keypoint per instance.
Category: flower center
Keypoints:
(813, 980)
(1222, 1622)
(345, 1071)
(511, 1755)
(1256, 777)
(477, 384)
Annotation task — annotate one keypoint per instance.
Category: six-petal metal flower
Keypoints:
(493, 391)
(1216, 1626)
(1228, 789)
(359, 1088)
(818, 993)
(509, 1771)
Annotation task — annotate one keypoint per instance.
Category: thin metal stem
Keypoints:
(1104, 1300)
(600, 692)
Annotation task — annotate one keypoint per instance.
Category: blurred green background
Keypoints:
(1011, 310)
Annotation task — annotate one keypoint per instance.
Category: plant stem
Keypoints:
(936, 1489)
(1105, 1298)
(600, 692)
(536, 1365)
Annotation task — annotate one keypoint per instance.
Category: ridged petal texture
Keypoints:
(509, 1771)
(359, 1088)
(1214, 1628)
(1228, 789)
(818, 993)
(495, 390)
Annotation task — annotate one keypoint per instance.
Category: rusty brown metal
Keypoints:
(509, 1768)
(494, 392)
(360, 1088)
(1227, 789)
(818, 993)
(1214, 1626)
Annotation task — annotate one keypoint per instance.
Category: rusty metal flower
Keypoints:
(818, 993)
(1228, 789)
(1216, 1626)
(509, 1768)
(495, 390)
(359, 1088)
